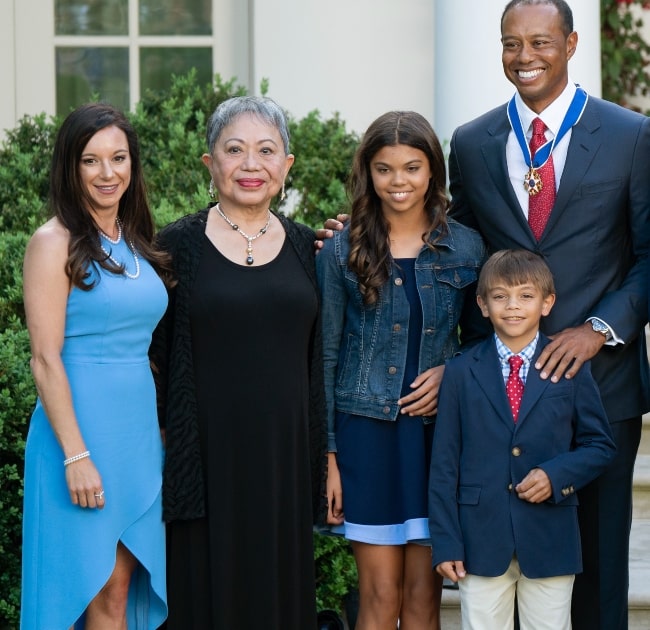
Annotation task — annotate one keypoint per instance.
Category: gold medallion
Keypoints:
(532, 181)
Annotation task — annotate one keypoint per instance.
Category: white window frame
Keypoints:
(28, 43)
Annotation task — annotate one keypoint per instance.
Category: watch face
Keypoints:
(599, 327)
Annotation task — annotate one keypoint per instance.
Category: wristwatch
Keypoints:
(599, 327)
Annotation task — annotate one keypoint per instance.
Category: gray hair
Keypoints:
(264, 108)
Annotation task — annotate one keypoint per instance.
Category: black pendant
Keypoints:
(249, 260)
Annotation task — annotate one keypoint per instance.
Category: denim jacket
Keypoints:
(364, 347)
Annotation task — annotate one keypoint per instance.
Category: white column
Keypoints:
(468, 77)
(8, 112)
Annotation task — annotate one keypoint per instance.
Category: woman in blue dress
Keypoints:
(93, 536)
(394, 284)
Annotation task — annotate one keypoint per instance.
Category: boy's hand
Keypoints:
(535, 487)
(568, 350)
(327, 231)
(452, 569)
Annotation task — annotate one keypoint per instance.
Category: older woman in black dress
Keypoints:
(239, 364)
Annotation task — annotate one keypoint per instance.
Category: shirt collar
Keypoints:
(552, 116)
(526, 354)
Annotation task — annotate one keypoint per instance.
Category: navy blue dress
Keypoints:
(384, 465)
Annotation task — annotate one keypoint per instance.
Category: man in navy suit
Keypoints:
(509, 452)
(595, 242)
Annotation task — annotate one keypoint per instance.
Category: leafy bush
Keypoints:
(24, 171)
(12, 250)
(324, 151)
(336, 571)
(17, 399)
(625, 53)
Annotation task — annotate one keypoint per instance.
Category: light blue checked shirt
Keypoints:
(526, 354)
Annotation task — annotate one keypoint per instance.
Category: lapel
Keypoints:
(493, 150)
(583, 146)
(486, 371)
(535, 386)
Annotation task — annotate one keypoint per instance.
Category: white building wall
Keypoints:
(357, 57)
(8, 112)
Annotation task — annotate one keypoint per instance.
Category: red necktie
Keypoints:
(541, 204)
(514, 385)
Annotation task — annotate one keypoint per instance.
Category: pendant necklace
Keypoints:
(249, 248)
(116, 241)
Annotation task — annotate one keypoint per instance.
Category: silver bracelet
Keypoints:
(76, 458)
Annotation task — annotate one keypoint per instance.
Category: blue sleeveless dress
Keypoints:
(69, 551)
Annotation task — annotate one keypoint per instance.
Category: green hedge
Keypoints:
(171, 127)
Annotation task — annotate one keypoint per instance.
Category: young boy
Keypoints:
(506, 465)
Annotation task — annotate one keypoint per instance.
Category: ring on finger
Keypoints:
(99, 495)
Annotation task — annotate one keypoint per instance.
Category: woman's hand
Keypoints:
(335, 514)
(85, 484)
(423, 400)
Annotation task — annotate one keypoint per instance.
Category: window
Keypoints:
(117, 49)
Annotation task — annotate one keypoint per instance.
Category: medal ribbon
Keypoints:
(542, 154)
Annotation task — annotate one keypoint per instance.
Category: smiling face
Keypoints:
(400, 176)
(105, 170)
(536, 52)
(248, 164)
(515, 312)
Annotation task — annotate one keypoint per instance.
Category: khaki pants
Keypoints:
(487, 603)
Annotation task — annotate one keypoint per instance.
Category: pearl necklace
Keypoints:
(249, 248)
(131, 276)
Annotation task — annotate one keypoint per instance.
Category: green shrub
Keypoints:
(17, 399)
(324, 151)
(336, 571)
(12, 250)
(24, 171)
(625, 55)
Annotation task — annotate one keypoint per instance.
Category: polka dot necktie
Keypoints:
(541, 204)
(514, 385)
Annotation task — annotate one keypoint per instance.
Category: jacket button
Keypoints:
(509, 487)
(398, 282)
(386, 410)
(516, 451)
(397, 328)
(392, 370)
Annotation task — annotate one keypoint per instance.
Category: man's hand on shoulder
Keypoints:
(568, 350)
(328, 229)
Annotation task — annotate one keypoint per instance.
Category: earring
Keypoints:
(283, 195)
(211, 190)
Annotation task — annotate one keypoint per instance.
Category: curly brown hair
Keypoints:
(370, 256)
(68, 200)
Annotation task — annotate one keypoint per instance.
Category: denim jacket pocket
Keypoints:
(457, 277)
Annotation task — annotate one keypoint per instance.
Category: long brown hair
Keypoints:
(69, 201)
(370, 257)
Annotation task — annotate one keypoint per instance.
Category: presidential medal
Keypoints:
(532, 181)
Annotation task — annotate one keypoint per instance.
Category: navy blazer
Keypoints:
(597, 237)
(480, 455)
